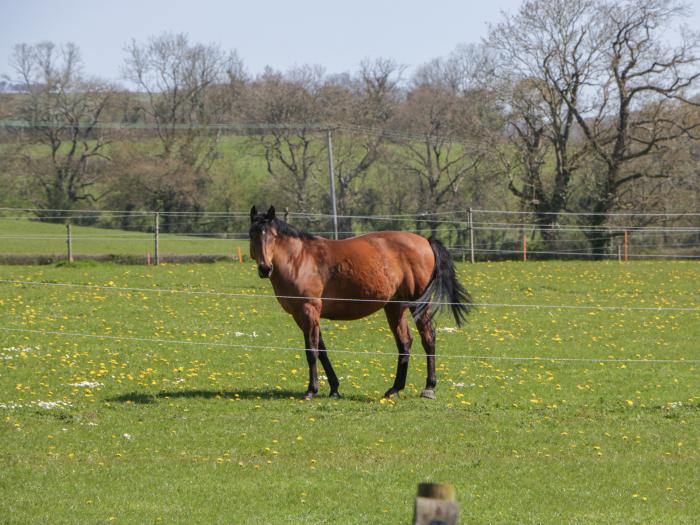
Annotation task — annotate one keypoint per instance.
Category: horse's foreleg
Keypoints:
(311, 356)
(308, 320)
(402, 335)
(427, 337)
(328, 368)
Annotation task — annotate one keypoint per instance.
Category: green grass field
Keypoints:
(24, 237)
(180, 407)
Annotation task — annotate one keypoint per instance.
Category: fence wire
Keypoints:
(485, 234)
(463, 357)
(248, 347)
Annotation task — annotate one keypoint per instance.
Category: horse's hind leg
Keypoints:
(402, 334)
(427, 337)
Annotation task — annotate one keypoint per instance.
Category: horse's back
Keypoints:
(388, 249)
(372, 268)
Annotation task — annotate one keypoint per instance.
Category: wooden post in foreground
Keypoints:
(435, 505)
(69, 242)
(627, 245)
(240, 254)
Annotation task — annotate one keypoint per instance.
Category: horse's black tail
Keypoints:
(443, 288)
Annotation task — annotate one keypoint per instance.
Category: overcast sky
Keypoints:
(337, 35)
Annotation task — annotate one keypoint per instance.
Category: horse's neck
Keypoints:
(290, 254)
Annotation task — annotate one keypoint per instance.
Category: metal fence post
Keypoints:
(329, 144)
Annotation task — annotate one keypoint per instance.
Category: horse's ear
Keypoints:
(253, 212)
(271, 213)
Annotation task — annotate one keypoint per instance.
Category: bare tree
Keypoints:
(182, 83)
(360, 119)
(442, 136)
(435, 150)
(641, 82)
(287, 108)
(590, 90)
(546, 53)
(62, 110)
(466, 69)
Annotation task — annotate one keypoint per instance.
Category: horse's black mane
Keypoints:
(259, 220)
(287, 230)
(283, 228)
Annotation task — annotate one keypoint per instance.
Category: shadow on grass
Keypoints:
(141, 398)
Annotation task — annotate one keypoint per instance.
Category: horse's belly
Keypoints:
(351, 296)
(348, 309)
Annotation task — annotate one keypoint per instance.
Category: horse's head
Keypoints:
(263, 234)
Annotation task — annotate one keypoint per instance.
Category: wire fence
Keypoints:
(218, 293)
(34, 332)
(471, 234)
(393, 355)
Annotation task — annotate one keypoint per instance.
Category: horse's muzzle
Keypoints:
(264, 271)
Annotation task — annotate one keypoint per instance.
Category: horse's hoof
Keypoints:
(334, 395)
(392, 392)
(428, 393)
(308, 396)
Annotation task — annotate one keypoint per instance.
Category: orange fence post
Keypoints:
(240, 254)
(626, 245)
(524, 247)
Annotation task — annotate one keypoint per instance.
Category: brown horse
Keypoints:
(349, 279)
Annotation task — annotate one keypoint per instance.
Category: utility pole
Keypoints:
(329, 144)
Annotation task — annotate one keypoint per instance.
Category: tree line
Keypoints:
(582, 106)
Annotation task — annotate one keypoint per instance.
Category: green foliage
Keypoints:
(195, 417)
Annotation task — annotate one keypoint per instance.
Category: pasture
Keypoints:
(171, 394)
(22, 237)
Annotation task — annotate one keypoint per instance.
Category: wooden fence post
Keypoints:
(626, 245)
(435, 505)
(471, 233)
(524, 247)
(69, 241)
(156, 250)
